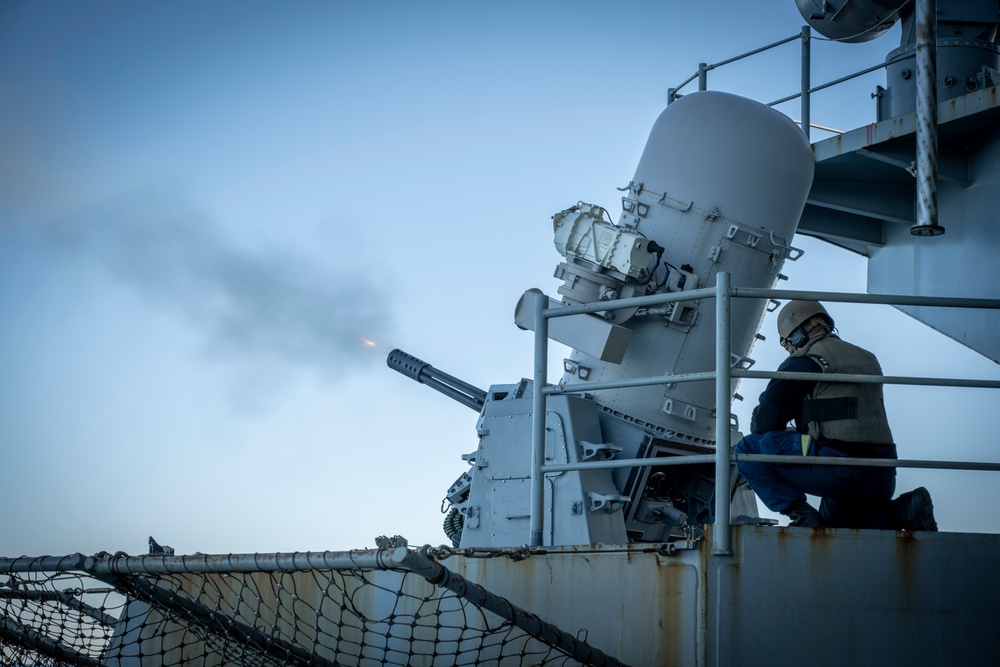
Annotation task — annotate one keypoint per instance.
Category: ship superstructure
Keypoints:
(599, 519)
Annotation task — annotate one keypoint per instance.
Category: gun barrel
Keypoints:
(424, 373)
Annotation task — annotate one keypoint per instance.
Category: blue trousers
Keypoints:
(852, 496)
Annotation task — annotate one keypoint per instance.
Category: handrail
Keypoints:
(830, 84)
(722, 376)
(584, 387)
(695, 459)
(806, 89)
(707, 67)
(755, 51)
(760, 293)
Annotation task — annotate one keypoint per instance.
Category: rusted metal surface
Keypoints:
(636, 604)
(857, 597)
(958, 108)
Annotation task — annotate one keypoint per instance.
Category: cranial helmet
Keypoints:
(795, 313)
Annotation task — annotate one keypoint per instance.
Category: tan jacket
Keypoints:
(851, 412)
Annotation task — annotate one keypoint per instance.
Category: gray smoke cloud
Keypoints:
(251, 304)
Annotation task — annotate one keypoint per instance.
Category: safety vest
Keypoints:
(850, 412)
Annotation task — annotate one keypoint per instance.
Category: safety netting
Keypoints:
(372, 607)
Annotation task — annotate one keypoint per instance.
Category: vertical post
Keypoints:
(927, 140)
(722, 538)
(538, 421)
(671, 96)
(702, 76)
(806, 81)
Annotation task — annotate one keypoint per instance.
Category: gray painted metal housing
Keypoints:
(720, 186)
(862, 199)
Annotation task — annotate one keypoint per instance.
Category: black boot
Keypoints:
(913, 511)
(803, 514)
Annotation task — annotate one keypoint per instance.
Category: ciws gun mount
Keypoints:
(701, 201)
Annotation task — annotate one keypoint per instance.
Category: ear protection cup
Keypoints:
(798, 337)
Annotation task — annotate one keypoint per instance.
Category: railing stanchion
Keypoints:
(722, 538)
(806, 66)
(538, 422)
(927, 121)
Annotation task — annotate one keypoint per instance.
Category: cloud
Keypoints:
(268, 306)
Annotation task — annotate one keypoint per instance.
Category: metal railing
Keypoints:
(722, 376)
(806, 89)
(805, 36)
(926, 110)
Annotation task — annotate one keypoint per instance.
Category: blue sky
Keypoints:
(207, 208)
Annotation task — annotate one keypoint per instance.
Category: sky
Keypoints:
(217, 219)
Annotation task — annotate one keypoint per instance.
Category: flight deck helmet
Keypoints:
(794, 315)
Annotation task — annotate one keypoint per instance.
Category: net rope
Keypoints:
(312, 616)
